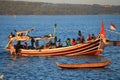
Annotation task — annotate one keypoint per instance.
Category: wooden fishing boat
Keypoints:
(84, 65)
(92, 47)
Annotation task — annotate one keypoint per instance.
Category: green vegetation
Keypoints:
(35, 8)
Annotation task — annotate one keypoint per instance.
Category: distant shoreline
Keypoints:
(40, 8)
(54, 15)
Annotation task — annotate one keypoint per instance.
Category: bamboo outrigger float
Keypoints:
(92, 47)
(112, 43)
(84, 65)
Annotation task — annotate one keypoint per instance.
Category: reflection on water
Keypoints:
(99, 69)
(27, 67)
(44, 68)
(83, 59)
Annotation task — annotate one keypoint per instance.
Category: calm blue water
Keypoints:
(44, 68)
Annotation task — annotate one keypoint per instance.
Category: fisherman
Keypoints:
(68, 42)
(79, 40)
(88, 37)
(93, 36)
(55, 39)
(51, 44)
(26, 45)
(37, 44)
(32, 42)
(74, 42)
(46, 46)
(59, 43)
(11, 35)
(83, 39)
(12, 49)
(79, 34)
(18, 46)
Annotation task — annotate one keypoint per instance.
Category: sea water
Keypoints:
(44, 68)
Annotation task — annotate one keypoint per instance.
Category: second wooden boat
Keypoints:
(84, 65)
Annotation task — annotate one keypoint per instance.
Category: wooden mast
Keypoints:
(55, 37)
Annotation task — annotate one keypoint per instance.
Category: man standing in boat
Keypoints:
(37, 44)
(32, 42)
(59, 43)
(79, 34)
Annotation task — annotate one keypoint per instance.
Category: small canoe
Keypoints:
(84, 65)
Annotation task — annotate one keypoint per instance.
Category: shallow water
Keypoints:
(44, 68)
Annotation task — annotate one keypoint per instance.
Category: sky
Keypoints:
(102, 2)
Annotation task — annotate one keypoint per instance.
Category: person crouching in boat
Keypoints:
(83, 39)
(74, 42)
(59, 43)
(26, 45)
(12, 49)
(93, 36)
(88, 37)
(68, 42)
(37, 44)
(46, 46)
(79, 40)
(52, 44)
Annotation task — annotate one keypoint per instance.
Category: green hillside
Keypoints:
(35, 8)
